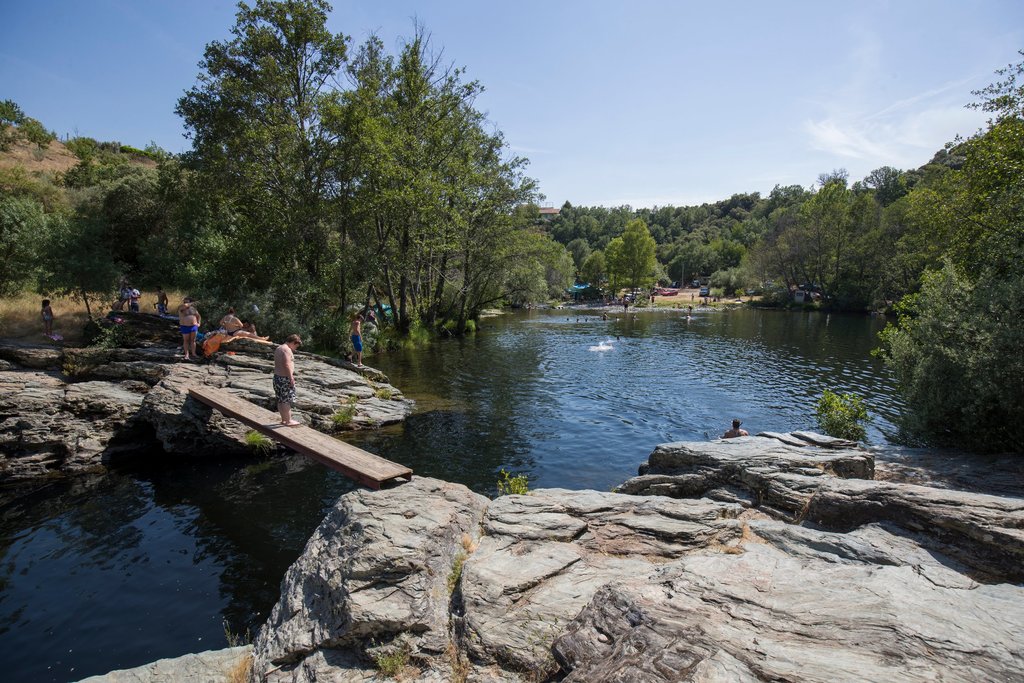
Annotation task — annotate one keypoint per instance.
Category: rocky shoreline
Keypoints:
(70, 410)
(778, 557)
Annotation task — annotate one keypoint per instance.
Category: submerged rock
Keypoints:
(69, 410)
(431, 582)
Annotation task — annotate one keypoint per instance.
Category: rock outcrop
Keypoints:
(68, 410)
(213, 666)
(788, 563)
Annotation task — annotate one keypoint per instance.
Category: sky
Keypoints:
(639, 102)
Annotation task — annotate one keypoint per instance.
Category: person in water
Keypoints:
(188, 324)
(735, 431)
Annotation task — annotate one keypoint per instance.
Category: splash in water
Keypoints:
(606, 345)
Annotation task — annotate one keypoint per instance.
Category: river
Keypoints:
(114, 571)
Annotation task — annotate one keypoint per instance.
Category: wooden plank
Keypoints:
(366, 468)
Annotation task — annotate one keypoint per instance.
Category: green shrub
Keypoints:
(343, 416)
(260, 444)
(842, 415)
(114, 336)
(383, 393)
(509, 485)
(956, 353)
(392, 663)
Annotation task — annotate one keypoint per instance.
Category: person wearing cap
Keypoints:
(284, 378)
(735, 431)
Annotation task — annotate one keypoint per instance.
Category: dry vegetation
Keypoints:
(241, 672)
(20, 316)
(55, 158)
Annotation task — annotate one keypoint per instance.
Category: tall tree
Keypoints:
(257, 117)
(632, 260)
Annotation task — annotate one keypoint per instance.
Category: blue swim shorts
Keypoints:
(357, 343)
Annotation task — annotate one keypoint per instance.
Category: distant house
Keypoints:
(547, 213)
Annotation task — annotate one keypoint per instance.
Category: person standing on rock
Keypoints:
(357, 338)
(188, 324)
(47, 314)
(284, 379)
(161, 300)
(735, 431)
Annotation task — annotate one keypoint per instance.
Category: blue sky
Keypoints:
(634, 102)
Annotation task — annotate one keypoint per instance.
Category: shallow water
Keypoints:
(115, 571)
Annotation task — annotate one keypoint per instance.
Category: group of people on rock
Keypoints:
(189, 321)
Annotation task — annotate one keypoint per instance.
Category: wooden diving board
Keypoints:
(365, 468)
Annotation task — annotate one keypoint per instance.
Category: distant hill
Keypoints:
(57, 158)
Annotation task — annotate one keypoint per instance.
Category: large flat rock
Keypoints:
(69, 410)
(907, 583)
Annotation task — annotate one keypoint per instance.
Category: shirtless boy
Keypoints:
(188, 323)
(284, 378)
(161, 301)
(735, 431)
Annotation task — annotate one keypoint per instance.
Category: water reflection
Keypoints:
(120, 570)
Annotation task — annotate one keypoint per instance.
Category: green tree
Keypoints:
(10, 113)
(956, 348)
(580, 250)
(10, 116)
(631, 260)
(594, 270)
(888, 184)
(85, 269)
(23, 227)
(35, 132)
(259, 119)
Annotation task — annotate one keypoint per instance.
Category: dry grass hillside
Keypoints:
(55, 158)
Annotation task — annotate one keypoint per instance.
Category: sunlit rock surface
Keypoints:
(775, 562)
(69, 410)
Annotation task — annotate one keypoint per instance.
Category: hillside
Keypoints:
(55, 158)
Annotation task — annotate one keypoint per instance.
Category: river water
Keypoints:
(114, 571)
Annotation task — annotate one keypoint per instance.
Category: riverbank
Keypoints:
(67, 410)
(774, 557)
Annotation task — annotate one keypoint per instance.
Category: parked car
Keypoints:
(704, 291)
(695, 284)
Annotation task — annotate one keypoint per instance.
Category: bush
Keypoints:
(509, 485)
(112, 336)
(343, 416)
(956, 353)
(841, 415)
(393, 660)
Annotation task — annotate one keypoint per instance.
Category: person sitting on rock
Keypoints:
(735, 431)
(249, 330)
(230, 323)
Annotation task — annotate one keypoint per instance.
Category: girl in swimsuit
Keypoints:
(47, 314)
